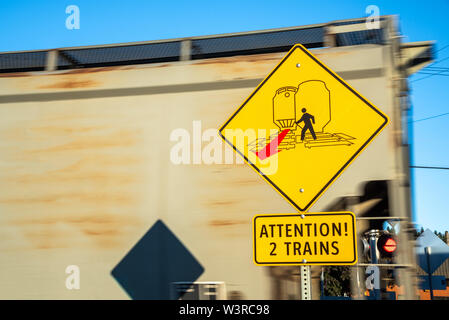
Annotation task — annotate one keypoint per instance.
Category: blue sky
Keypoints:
(28, 25)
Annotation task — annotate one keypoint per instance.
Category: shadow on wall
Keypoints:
(157, 260)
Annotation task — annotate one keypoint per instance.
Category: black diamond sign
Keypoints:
(154, 263)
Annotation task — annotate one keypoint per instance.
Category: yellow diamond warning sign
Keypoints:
(321, 238)
(301, 127)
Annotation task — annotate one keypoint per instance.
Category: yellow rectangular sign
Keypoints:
(320, 238)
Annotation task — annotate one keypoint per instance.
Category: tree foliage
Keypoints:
(440, 235)
(337, 281)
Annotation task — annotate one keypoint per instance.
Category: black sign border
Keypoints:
(342, 168)
(353, 261)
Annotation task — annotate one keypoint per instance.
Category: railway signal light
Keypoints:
(387, 245)
(365, 248)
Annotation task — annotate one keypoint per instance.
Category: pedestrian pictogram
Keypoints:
(302, 126)
(307, 124)
(320, 238)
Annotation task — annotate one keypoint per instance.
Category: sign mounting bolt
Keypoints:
(304, 261)
(303, 216)
(298, 65)
(301, 190)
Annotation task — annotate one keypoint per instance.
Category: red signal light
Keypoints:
(390, 245)
(387, 245)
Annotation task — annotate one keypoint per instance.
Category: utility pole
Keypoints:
(400, 191)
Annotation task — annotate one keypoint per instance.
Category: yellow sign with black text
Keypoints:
(301, 127)
(319, 238)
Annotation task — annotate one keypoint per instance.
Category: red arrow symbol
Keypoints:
(272, 148)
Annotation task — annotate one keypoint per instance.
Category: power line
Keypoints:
(446, 46)
(436, 62)
(433, 71)
(432, 117)
(436, 68)
(434, 74)
(428, 167)
(428, 76)
(432, 64)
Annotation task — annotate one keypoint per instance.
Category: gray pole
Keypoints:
(373, 236)
(400, 191)
(322, 282)
(428, 252)
(306, 290)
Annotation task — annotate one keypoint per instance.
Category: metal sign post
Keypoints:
(428, 252)
(373, 236)
(306, 283)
